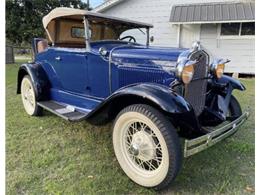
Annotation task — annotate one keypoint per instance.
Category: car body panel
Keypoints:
(156, 93)
(89, 77)
(236, 84)
(81, 78)
(76, 69)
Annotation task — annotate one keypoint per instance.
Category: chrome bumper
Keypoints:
(196, 145)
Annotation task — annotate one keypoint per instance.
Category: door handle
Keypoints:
(58, 58)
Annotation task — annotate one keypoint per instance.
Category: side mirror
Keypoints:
(151, 39)
(102, 51)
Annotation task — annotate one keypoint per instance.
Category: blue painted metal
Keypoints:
(91, 82)
(236, 84)
(81, 78)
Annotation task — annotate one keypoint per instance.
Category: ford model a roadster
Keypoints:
(90, 69)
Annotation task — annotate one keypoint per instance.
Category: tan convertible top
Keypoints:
(77, 14)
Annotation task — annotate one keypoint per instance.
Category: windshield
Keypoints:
(117, 32)
(71, 33)
(137, 35)
(103, 32)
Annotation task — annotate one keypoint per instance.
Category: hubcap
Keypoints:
(143, 146)
(28, 94)
(134, 149)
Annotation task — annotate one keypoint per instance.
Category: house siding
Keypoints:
(240, 51)
(166, 34)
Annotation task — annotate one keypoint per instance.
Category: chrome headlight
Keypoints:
(185, 70)
(217, 67)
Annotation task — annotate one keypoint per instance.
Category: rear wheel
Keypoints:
(29, 97)
(146, 146)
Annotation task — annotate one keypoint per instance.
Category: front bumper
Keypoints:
(198, 144)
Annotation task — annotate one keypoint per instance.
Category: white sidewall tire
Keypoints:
(27, 89)
(143, 177)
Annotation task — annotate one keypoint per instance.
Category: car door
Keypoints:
(71, 68)
(98, 75)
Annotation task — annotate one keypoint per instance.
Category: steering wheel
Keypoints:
(130, 38)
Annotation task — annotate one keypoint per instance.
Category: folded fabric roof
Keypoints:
(78, 14)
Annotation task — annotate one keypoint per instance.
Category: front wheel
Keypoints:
(147, 146)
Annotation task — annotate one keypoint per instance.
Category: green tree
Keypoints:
(24, 17)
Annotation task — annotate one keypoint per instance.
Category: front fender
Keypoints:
(39, 79)
(179, 111)
(236, 84)
(145, 93)
(160, 95)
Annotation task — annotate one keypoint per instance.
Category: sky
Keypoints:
(94, 3)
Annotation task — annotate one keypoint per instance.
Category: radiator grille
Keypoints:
(195, 91)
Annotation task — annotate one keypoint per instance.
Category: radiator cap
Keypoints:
(196, 46)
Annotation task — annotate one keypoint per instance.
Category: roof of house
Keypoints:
(213, 12)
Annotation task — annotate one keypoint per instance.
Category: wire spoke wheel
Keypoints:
(145, 147)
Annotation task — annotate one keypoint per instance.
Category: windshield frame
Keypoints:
(88, 36)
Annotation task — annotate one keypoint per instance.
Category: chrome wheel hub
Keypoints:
(134, 149)
(143, 146)
(28, 95)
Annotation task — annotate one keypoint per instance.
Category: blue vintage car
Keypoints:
(91, 69)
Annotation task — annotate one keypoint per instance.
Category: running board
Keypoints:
(66, 112)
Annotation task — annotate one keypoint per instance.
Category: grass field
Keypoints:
(48, 155)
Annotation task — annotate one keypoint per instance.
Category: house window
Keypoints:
(237, 29)
(248, 28)
(230, 29)
(77, 32)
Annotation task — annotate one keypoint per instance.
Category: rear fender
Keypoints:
(39, 79)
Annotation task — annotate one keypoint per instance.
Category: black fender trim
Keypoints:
(219, 94)
(236, 84)
(39, 78)
(160, 95)
(174, 106)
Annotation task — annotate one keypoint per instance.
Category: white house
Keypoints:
(225, 28)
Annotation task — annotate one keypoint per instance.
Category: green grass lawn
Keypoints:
(48, 155)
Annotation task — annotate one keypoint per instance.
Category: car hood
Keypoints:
(138, 63)
(139, 52)
(148, 53)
